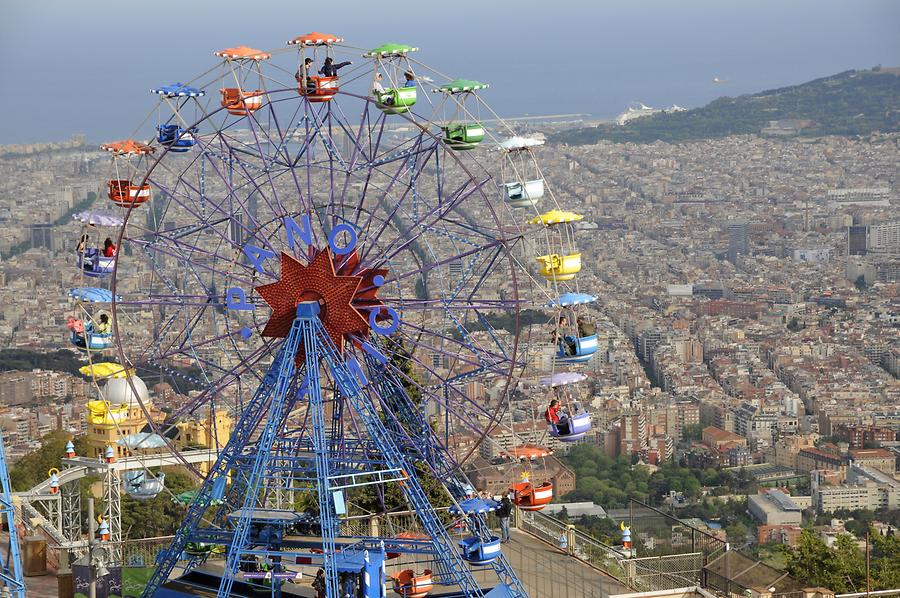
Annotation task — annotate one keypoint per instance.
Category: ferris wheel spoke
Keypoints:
(244, 368)
(475, 410)
(256, 137)
(382, 201)
(182, 202)
(443, 262)
(248, 181)
(478, 355)
(434, 216)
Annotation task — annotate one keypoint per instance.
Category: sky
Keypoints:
(86, 67)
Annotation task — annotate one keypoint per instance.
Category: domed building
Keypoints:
(117, 414)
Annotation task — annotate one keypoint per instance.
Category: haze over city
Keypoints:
(85, 68)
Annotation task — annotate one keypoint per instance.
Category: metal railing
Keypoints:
(576, 543)
(657, 533)
(143, 552)
(664, 572)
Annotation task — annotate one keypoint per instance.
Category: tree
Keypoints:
(885, 559)
(736, 532)
(34, 467)
(159, 516)
(860, 282)
(692, 432)
(841, 569)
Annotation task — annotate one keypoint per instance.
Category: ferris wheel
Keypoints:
(283, 213)
(287, 178)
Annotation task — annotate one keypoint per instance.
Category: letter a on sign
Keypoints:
(257, 255)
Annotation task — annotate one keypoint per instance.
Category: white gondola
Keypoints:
(142, 486)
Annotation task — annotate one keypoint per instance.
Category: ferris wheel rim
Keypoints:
(206, 117)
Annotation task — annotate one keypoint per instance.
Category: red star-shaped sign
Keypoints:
(336, 293)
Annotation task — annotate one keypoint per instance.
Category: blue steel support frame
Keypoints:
(250, 469)
(11, 566)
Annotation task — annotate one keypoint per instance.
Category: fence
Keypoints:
(576, 543)
(664, 572)
(143, 552)
(656, 533)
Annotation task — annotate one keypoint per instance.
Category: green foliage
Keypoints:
(158, 516)
(506, 321)
(842, 568)
(602, 528)
(692, 432)
(33, 467)
(60, 360)
(849, 103)
(611, 482)
(737, 532)
(885, 560)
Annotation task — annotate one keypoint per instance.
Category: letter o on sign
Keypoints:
(381, 329)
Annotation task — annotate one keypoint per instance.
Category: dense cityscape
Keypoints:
(748, 320)
(330, 323)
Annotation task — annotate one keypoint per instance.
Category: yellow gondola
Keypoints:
(557, 267)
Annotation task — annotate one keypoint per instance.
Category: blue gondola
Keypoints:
(177, 139)
(91, 341)
(478, 552)
(574, 349)
(84, 334)
(94, 264)
(575, 428)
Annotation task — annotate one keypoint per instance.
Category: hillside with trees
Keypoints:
(849, 103)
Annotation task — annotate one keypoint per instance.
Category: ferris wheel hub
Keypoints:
(339, 296)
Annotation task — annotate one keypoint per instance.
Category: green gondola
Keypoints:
(462, 135)
(396, 100)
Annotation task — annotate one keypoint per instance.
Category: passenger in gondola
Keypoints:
(330, 68)
(562, 338)
(410, 79)
(76, 326)
(379, 92)
(585, 327)
(85, 253)
(109, 248)
(103, 326)
(303, 75)
(556, 417)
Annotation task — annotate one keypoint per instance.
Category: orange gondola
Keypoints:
(124, 191)
(237, 100)
(315, 88)
(529, 497)
(409, 585)
(240, 102)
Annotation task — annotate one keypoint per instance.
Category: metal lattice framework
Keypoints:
(10, 560)
(403, 249)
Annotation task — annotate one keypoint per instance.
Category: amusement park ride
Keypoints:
(329, 255)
